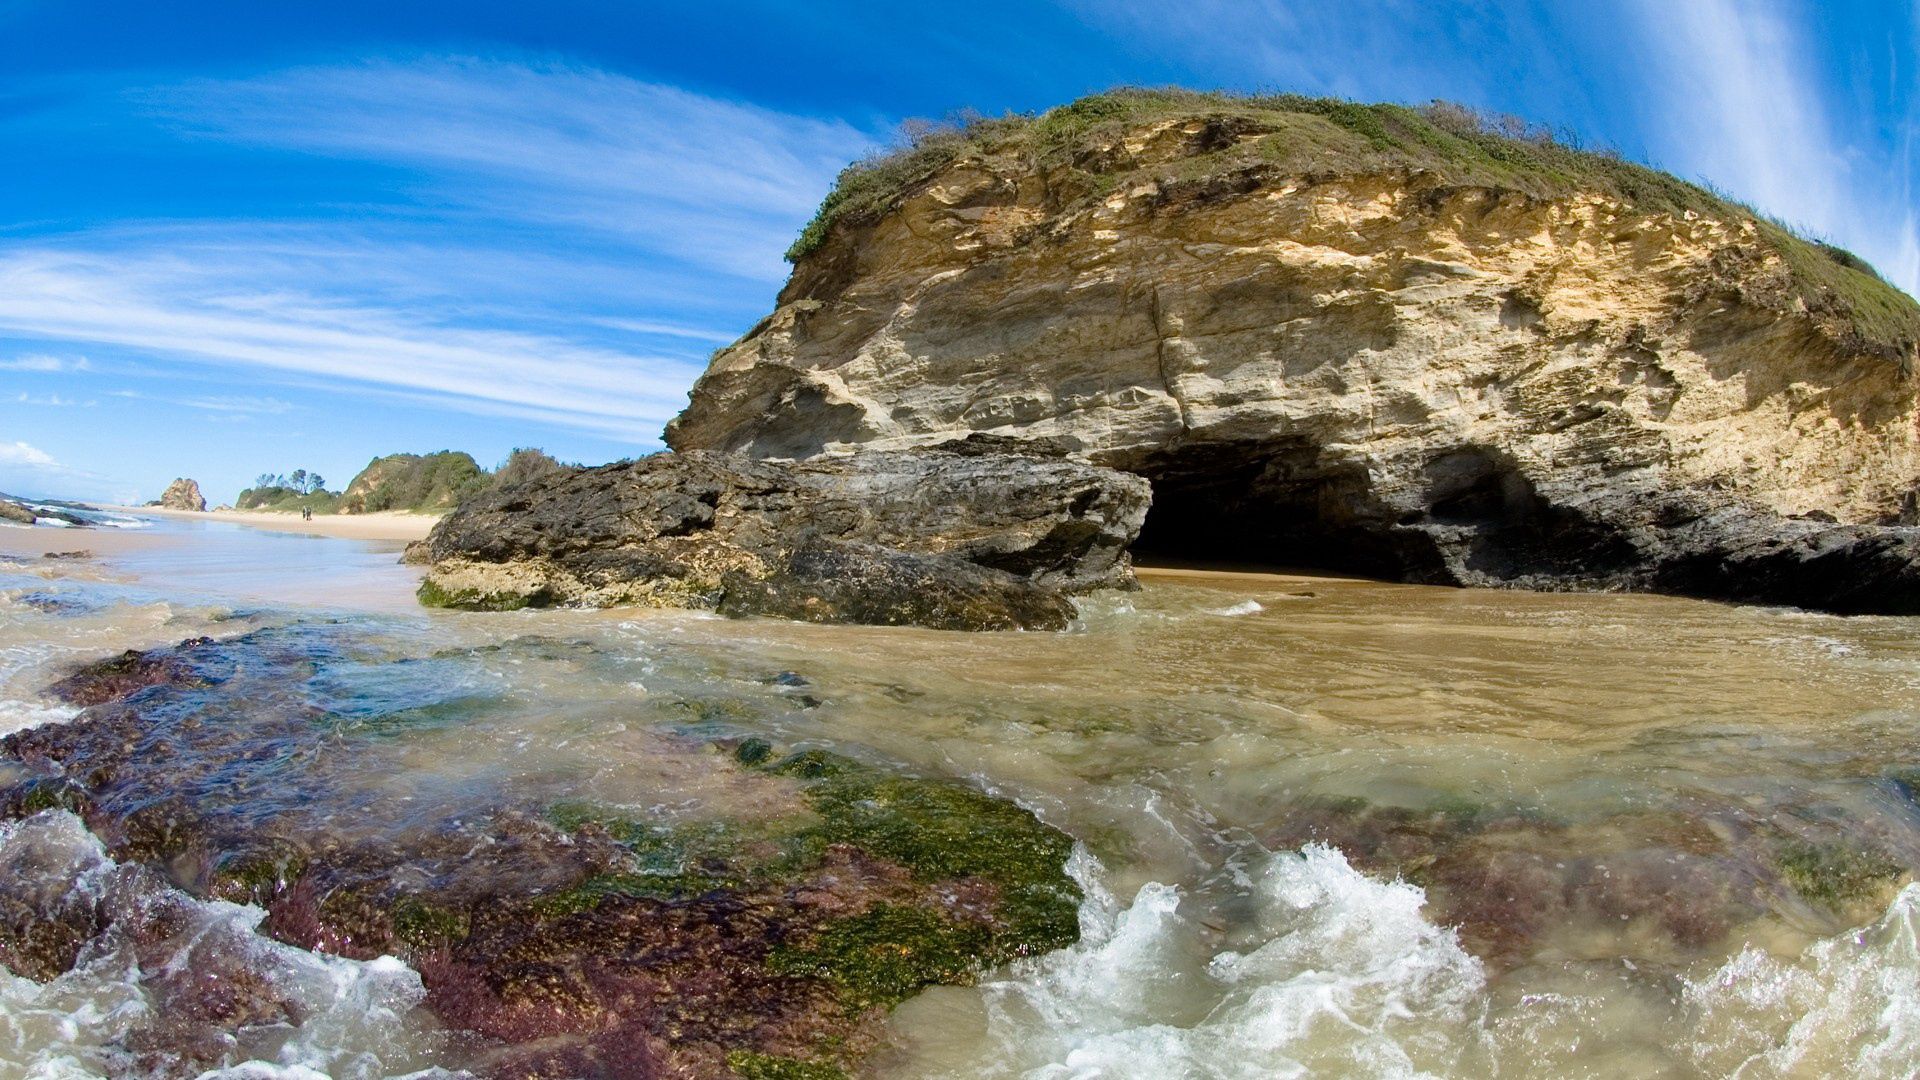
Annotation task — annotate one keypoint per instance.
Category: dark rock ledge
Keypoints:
(969, 536)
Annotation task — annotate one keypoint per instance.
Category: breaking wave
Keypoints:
(164, 985)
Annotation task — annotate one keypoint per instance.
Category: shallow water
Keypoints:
(1328, 827)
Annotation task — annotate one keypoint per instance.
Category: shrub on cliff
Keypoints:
(413, 482)
(525, 463)
(286, 499)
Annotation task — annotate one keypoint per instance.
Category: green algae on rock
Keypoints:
(567, 938)
(751, 1066)
(1837, 872)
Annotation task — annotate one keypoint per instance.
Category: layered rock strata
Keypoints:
(963, 538)
(1370, 367)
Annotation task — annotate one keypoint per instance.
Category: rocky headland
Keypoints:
(1365, 338)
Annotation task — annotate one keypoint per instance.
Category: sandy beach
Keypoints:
(38, 541)
(381, 526)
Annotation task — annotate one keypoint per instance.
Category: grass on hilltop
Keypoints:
(1288, 134)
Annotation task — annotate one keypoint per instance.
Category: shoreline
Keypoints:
(392, 525)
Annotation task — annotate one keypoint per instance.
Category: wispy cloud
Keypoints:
(716, 183)
(545, 243)
(1737, 96)
(158, 303)
(46, 364)
(51, 401)
(261, 406)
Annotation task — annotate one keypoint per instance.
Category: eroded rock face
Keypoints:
(968, 538)
(14, 512)
(1371, 371)
(183, 494)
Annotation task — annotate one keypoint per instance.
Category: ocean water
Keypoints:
(1326, 827)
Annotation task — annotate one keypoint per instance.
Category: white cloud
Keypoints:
(651, 328)
(1737, 98)
(556, 237)
(222, 403)
(28, 471)
(25, 454)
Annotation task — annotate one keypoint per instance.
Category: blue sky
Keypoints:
(246, 237)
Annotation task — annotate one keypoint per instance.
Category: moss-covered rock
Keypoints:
(751, 1066)
(1835, 873)
(887, 954)
(568, 939)
(435, 595)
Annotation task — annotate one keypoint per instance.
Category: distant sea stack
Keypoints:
(1365, 338)
(183, 494)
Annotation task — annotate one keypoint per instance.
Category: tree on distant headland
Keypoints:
(299, 489)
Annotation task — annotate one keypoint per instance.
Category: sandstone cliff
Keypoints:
(1364, 338)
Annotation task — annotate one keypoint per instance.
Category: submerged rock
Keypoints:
(1516, 883)
(120, 676)
(183, 494)
(970, 538)
(1342, 336)
(569, 939)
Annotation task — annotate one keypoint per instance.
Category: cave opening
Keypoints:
(1268, 507)
(1466, 516)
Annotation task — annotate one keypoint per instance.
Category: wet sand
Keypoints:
(37, 541)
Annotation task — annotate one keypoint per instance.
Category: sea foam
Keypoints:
(332, 1017)
(1343, 976)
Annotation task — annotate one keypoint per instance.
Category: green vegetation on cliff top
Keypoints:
(1288, 134)
(411, 482)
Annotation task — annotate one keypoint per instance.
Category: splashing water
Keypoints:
(1399, 832)
(1850, 1005)
(175, 985)
(1340, 975)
